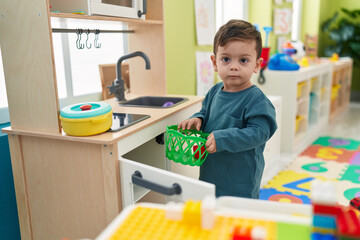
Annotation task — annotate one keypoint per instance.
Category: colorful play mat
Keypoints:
(331, 159)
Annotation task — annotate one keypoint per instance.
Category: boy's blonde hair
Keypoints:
(238, 30)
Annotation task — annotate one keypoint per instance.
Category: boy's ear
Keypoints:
(258, 65)
(213, 60)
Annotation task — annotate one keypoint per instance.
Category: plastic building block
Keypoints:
(323, 221)
(323, 192)
(258, 233)
(149, 223)
(241, 233)
(324, 231)
(348, 238)
(208, 212)
(320, 236)
(327, 210)
(192, 213)
(348, 224)
(174, 211)
(286, 231)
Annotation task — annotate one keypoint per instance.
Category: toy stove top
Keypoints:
(123, 120)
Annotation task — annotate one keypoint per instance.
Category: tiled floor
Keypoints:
(347, 125)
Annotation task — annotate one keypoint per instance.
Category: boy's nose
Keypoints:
(234, 67)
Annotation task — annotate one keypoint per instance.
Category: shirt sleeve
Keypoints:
(202, 113)
(260, 126)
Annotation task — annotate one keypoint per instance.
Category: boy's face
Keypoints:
(235, 63)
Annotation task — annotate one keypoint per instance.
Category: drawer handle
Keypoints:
(137, 179)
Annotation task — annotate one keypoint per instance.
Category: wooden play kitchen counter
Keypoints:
(156, 115)
(70, 186)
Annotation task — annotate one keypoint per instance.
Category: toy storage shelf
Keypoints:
(305, 103)
(340, 86)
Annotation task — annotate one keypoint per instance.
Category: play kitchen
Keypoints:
(95, 176)
(137, 179)
(73, 186)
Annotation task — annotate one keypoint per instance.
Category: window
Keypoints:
(77, 70)
(230, 9)
(296, 20)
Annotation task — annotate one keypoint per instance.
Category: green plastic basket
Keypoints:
(185, 146)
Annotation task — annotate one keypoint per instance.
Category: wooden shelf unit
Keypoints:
(305, 103)
(340, 86)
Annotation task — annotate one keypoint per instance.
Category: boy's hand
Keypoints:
(192, 123)
(211, 143)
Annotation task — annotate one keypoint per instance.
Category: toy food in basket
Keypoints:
(84, 119)
(185, 146)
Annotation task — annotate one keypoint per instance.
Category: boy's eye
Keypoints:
(226, 59)
(243, 60)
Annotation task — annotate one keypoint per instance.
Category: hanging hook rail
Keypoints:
(96, 44)
(79, 45)
(87, 38)
(67, 30)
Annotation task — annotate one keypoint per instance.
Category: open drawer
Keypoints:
(138, 179)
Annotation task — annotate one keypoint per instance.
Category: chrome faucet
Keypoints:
(117, 86)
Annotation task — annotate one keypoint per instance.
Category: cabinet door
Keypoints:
(137, 179)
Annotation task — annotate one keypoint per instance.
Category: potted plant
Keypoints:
(344, 29)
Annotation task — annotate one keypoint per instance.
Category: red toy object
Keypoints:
(85, 107)
(241, 233)
(327, 209)
(348, 225)
(195, 147)
(355, 202)
(265, 56)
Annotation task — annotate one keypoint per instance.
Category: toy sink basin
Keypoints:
(85, 119)
(154, 102)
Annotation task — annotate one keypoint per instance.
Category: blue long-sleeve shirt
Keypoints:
(242, 122)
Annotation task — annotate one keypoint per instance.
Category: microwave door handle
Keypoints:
(144, 9)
